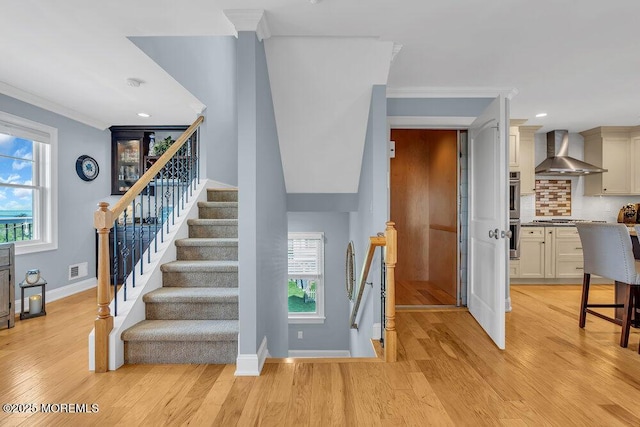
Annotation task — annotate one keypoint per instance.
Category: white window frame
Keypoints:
(45, 205)
(318, 316)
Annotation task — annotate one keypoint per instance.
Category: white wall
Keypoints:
(77, 199)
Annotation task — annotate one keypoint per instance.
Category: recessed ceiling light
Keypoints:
(314, 1)
(541, 115)
(144, 115)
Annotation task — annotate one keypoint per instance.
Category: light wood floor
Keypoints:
(415, 292)
(449, 373)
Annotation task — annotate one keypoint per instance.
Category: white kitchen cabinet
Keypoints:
(532, 253)
(568, 253)
(615, 149)
(549, 253)
(522, 154)
(514, 268)
(514, 148)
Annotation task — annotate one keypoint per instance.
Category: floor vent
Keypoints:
(77, 270)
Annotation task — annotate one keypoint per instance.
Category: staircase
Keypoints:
(193, 317)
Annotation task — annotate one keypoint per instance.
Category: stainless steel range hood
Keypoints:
(559, 163)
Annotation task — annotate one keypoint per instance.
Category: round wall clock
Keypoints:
(87, 168)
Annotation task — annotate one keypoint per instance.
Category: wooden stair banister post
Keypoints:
(103, 220)
(390, 259)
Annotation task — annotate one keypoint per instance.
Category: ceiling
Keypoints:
(575, 61)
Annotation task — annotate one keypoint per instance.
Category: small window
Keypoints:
(28, 209)
(306, 278)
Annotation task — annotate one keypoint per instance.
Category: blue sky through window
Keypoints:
(16, 167)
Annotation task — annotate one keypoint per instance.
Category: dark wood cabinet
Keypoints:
(7, 286)
(130, 145)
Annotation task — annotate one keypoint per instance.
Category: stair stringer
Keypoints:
(132, 311)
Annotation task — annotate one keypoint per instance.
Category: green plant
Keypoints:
(163, 146)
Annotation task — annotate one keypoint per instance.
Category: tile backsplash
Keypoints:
(553, 197)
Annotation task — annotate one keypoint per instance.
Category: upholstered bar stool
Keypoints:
(608, 252)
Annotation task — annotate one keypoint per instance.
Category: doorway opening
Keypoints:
(424, 205)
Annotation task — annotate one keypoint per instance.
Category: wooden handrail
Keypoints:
(390, 240)
(374, 242)
(103, 220)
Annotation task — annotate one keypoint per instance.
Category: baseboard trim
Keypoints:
(320, 353)
(250, 365)
(62, 292)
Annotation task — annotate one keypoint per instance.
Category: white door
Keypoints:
(488, 220)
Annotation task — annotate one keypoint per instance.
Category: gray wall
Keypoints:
(333, 334)
(370, 217)
(262, 199)
(77, 199)
(206, 67)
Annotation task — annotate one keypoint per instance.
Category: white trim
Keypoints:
(62, 292)
(319, 353)
(376, 333)
(423, 122)
(249, 20)
(250, 365)
(38, 101)
(451, 92)
(45, 207)
(294, 319)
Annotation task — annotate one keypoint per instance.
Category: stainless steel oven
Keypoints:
(514, 194)
(514, 241)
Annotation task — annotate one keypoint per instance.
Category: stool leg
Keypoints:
(626, 316)
(585, 299)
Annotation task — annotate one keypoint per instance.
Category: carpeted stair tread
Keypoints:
(217, 204)
(212, 221)
(199, 265)
(192, 295)
(183, 330)
(207, 241)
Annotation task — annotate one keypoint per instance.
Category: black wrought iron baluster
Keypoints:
(176, 183)
(149, 221)
(162, 178)
(155, 209)
(173, 192)
(167, 196)
(125, 252)
(141, 226)
(116, 251)
(133, 244)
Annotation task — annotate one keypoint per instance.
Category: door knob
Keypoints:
(494, 234)
(507, 234)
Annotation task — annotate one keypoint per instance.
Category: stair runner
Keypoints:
(193, 317)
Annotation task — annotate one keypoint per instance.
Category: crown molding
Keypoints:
(249, 20)
(450, 92)
(38, 101)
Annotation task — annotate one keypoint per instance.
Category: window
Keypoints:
(28, 203)
(306, 278)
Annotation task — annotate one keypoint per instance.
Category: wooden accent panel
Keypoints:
(410, 202)
(442, 262)
(424, 179)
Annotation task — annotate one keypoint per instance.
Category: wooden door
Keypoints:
(423, 206)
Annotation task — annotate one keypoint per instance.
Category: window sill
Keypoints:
(30, 248)
(309, 320)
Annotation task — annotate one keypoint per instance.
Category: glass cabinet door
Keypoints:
(127, 163)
